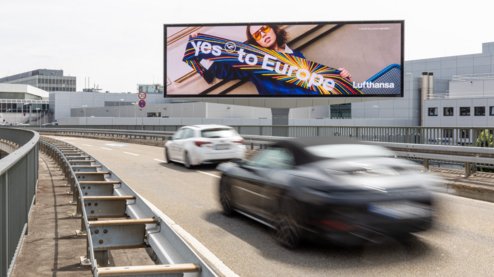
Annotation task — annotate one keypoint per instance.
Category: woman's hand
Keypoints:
(345, 73)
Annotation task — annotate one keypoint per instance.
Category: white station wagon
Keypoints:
(202, 144)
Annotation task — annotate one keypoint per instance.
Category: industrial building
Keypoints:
(45, 79)
(23, 104)
(450, 92)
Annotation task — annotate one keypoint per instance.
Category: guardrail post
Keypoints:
(468, 169)
(426, 164)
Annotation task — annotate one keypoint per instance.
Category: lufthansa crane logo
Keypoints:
(230, 47)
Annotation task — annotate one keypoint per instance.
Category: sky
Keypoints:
(118, 44)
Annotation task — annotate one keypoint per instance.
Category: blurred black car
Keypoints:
(345, 192)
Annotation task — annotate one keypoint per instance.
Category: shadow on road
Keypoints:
(323, 255)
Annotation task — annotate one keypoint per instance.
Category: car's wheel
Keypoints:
(167, 156)
(226, 199)
(187, 163)
(288, 232)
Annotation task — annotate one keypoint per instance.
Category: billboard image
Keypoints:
(330, 59)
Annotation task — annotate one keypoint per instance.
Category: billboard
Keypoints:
(316, 59)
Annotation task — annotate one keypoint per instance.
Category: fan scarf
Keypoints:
(268, 63)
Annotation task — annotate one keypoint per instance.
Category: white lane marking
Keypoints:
(105, 148)
(87, 144)
(209, 174)
(116, 144)
(130, 153)
(158, 160)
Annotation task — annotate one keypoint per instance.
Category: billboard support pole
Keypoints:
(280, 121)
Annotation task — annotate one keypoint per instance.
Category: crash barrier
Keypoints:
(7, 147)
(18, 182)
(464, 136)
(469, 157)
(114, 217)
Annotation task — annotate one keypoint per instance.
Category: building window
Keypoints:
(338, 111)
(479, 111)
(491, 110)
(464, 111)
(433, 111)
(448, 111)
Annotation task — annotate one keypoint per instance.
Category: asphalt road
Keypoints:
(461, 244)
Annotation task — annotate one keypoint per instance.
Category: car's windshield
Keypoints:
(341, 151)
(219, 133)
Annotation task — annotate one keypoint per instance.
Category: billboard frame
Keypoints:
(204, 94)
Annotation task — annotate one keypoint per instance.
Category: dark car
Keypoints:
(342, 191)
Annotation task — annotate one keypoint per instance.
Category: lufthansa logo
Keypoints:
(230, 47)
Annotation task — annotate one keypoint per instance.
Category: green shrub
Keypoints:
(484, 140)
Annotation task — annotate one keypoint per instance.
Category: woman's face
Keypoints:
(264, 35)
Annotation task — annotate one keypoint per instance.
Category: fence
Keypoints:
(465, 136)
(115, 217)
(18, 181)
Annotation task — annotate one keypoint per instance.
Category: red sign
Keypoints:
(141, 95)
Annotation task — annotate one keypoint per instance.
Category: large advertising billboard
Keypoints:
(329, 59)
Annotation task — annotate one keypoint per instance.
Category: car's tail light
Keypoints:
(239, 141)
(200, 143)
(336, 225)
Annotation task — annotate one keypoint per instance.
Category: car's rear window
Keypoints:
(219, 133)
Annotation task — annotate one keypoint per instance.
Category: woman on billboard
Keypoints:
(272, 66)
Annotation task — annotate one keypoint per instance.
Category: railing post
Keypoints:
(468, 171)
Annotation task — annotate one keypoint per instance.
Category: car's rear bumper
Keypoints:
(352, 229)
(215, 156)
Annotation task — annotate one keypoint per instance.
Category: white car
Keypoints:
(202, 144)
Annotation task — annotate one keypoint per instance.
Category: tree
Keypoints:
(485, 139)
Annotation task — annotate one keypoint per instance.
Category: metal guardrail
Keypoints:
(469, 156)
(464, 136)
(18, 182)
(114, 216)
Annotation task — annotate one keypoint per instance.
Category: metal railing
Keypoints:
(464, 136)
(18, 181)
(114, 216)
(463, 154)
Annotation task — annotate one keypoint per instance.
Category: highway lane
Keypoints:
(462, 244)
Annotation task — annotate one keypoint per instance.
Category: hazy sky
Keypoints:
(118, 44)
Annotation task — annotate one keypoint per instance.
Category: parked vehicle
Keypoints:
(202, 144)
(346, 192)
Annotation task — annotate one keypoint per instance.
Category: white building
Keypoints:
(23, 104)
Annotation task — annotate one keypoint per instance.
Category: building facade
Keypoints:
(46, 79)
(23, 104)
